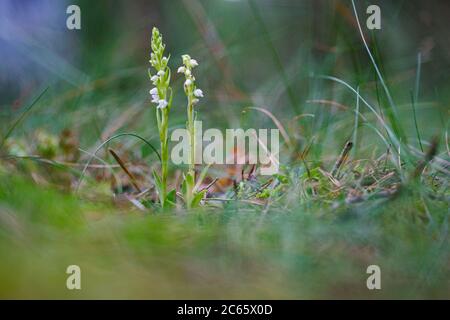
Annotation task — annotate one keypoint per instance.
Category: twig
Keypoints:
(209, 185)
(342, 158)
(241, 200)
(124, 168)
(428, 157)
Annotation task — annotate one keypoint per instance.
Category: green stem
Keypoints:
(163, 120)
(164, 170)
(191, 130)
(191, 173)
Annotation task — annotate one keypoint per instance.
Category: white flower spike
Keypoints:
(161, 95)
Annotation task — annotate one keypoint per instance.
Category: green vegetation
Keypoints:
(162, 96)
(364, 176)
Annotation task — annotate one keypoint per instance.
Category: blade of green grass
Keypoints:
(21, 117)
(355, 129)
(419, 68)
(394, 117)
(415, 120)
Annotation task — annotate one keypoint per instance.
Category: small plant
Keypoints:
(193, 94)
(161, 95)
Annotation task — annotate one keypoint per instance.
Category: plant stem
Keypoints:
(191, 129)
(163, 120)
(165, 155)
(191, 173)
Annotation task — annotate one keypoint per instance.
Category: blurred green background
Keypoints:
(262, 53)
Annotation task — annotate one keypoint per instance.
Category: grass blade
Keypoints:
(415, 120)
(21, 117)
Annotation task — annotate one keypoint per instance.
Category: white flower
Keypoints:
(185, 58)
(155, 98)
(188, 82)
(160, 73)
(198, 93)
(195, 101)
(181, 70)
(162, 104)
(164, 59)
(193, 63)
(154, 78)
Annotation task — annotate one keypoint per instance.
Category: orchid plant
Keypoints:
(193, 94)
(161, 95)
(192, 198)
